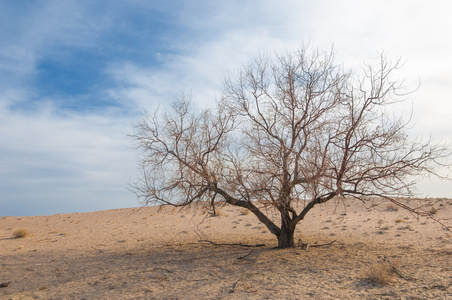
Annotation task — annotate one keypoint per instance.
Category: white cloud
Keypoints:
(35, 30)
(66, 158)
(415, 31)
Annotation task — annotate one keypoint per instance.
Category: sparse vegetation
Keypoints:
(216, 213)
(408, 227)
(380, 273)
(21, 233)
(244, 212)
(433, 211)
(392, 207)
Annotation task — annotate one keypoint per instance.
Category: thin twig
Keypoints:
(397, 271)
(242, 257)
(231, 244)
(234, 286)
(200, 234)
(196, 280)
(163, 269)
(441, 287)
(321, 245)
(444, 226)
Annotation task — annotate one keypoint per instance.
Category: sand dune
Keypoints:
(151, 254)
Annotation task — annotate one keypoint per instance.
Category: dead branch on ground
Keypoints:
(397, 271)
(244, 256)
(231, 244)
(203, 239)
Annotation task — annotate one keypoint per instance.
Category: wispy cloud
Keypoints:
(53, 163)
(74, 76)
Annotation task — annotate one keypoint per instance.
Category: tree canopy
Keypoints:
(296, 127)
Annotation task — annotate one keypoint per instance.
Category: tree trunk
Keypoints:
(285, 235)
(285, 238)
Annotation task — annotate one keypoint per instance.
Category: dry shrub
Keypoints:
(392, 207)
(21, 233)
(216, 213)
(244, 212)
(380, 273)
(433, 210)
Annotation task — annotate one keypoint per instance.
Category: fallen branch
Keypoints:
(159, 280)
(203, 239)
(234, 287)
(242, 257)
(98, 249)
(397, 271)
(322, 245)
(307, 245)
(196, 280)
(231, 244)
(163, 269)
(440, 287)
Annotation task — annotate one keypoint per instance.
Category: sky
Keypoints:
(75, 76)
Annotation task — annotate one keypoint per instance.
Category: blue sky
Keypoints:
(74, 76)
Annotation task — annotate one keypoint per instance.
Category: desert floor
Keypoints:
(160, 254)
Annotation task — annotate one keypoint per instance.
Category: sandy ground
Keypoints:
(150, 254)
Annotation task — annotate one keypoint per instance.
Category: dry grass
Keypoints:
(392, 207)
(21, 233)
(217, 213)
(380, 273)
(433, 211)
(244, 212)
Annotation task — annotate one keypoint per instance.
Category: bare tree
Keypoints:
(296, 128)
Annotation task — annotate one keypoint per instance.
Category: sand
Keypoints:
(150, 254)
